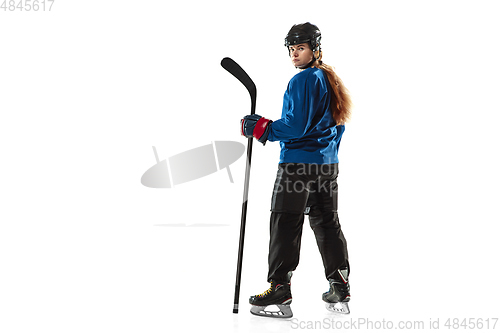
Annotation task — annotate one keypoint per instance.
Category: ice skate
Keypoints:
(339, 295)
(278, 295)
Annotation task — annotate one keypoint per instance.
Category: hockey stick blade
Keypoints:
(232, 67)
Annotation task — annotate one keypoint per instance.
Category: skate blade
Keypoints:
(284, 311)
(339, 307)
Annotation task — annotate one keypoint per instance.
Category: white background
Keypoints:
(88, 88)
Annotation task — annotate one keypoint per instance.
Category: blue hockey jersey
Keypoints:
(307, 131)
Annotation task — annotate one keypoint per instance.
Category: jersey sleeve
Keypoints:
(304, 95)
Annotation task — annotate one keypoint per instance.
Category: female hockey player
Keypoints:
(316, 106)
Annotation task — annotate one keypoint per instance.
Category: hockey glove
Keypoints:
(255, 126)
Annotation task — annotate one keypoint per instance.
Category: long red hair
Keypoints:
(341, 103)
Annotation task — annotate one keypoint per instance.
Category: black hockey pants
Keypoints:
(305, 189)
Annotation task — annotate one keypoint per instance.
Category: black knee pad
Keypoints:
(322, 218)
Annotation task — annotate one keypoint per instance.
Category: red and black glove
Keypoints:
(255, 126)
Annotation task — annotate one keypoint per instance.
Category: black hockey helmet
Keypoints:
(304, 33)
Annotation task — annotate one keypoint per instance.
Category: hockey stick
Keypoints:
(232, 67)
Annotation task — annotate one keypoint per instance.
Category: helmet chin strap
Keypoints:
(308, 65)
